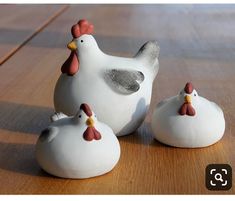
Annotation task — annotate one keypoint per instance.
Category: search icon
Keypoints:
(218, 177)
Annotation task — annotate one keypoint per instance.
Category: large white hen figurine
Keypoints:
(118, 89)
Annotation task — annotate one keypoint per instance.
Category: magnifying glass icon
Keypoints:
(218, 177)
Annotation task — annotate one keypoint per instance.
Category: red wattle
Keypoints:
(187, 109)
(183, 109)
(97, 135)
(190, 110)
(88, 135)
(71, 65)
(91, 134)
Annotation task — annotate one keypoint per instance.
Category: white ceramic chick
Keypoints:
(188, 120)
(77, 147)
(118, 89)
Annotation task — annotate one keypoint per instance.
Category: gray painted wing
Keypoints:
(123, 81)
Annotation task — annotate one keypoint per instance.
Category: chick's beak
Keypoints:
(90, 122)
(72, 45)
(187, 99)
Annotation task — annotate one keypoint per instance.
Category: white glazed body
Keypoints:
(123, 113)
(68, 155)
(204, 129)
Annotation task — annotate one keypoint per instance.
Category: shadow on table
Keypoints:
(142, 136)
(20, 158)
(24, 118)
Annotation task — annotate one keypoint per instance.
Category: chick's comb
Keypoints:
(85, 107)
(189, 88)
(82, 27)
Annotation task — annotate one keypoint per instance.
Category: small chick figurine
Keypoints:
(77, 147)
(188, 120)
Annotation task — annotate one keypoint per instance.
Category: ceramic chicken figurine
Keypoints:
(78, 146)
(188, 120)
(118, 89)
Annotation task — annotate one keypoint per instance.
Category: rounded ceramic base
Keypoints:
(185, 145)
(68, 155)
(201, 130)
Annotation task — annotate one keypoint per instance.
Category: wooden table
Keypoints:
(197, 44)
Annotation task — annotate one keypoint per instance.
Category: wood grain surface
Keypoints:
(19, 23)
(197, 44)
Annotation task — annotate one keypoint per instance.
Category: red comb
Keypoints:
(188, 88)
(82, 27)
(85, 107)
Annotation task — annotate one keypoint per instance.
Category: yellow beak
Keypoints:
(90, 122)
(187, 99)
(72, 45)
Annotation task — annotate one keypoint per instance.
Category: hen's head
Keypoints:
(82, 41)
(86, 116)
(188, 96)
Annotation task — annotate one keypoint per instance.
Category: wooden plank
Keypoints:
(194, 46)
(19, 23)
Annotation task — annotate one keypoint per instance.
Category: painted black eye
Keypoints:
(81, 41)
(80, 116)
(195, 95)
